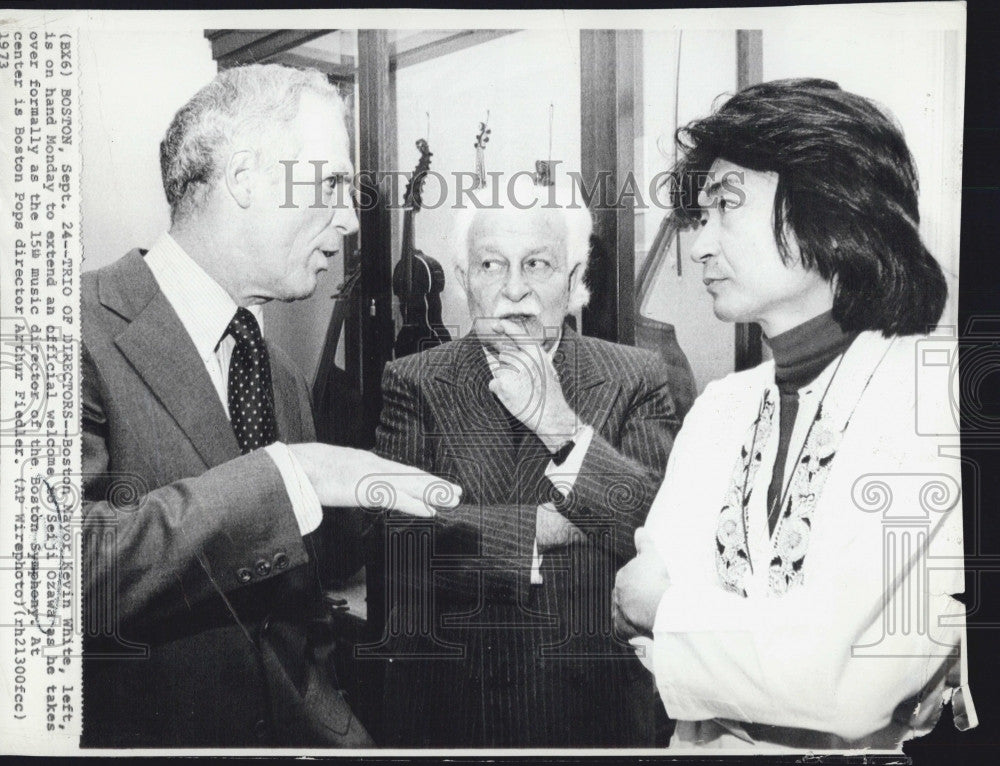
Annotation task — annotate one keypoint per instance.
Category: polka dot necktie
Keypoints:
(251, 398)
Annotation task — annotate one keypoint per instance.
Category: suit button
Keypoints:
(262, 568)
(281, 562)
(244, 575)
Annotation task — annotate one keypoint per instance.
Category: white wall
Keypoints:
(707, 69)
(132, 83)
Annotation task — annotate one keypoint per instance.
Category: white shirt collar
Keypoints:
(203, 306)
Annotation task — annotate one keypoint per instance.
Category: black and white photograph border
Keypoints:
(445, 114)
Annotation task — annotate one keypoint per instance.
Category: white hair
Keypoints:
(518, 193)
(252, 105)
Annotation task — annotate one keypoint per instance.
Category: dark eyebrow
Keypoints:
(712, 189)
(711, 193)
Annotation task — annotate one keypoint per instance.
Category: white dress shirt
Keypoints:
(205, 310)
(566, 472)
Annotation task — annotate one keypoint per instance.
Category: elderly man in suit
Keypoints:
(499, 631)
(203, 485)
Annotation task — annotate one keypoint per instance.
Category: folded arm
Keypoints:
(821, 659)
(616, 484)
(489, 544)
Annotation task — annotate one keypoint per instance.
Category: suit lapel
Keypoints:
(589, 386)
(475, 414)
(477, 426)
(473, 422)
(162, 353)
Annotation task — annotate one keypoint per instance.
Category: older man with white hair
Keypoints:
(501, 635)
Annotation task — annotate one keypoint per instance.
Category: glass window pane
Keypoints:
(682, 75)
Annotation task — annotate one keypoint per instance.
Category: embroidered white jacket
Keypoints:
(864, 651)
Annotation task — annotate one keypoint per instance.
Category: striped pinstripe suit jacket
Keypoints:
(479, 656)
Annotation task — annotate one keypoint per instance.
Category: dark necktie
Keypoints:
(251, 398)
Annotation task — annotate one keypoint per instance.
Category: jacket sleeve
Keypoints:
(150, 553)
(617, 482)
(869, 637)
(828, 659)
(487, 547)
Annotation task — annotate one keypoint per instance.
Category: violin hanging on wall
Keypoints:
(418, 279)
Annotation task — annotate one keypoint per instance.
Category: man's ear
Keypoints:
(574, 279)
(240, 173)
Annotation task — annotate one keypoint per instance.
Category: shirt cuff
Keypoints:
(569, 469)
(536, 566)
(305, 502)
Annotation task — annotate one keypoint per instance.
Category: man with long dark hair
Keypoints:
(784, 594)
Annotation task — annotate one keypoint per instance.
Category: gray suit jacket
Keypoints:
(480, 656)
(197, 583)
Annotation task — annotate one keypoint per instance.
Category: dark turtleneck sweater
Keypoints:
(800, 355)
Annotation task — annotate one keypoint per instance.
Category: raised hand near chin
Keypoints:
(527, 385)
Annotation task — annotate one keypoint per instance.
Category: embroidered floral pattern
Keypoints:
(790, 541)
(791, 535)
(732, 557)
